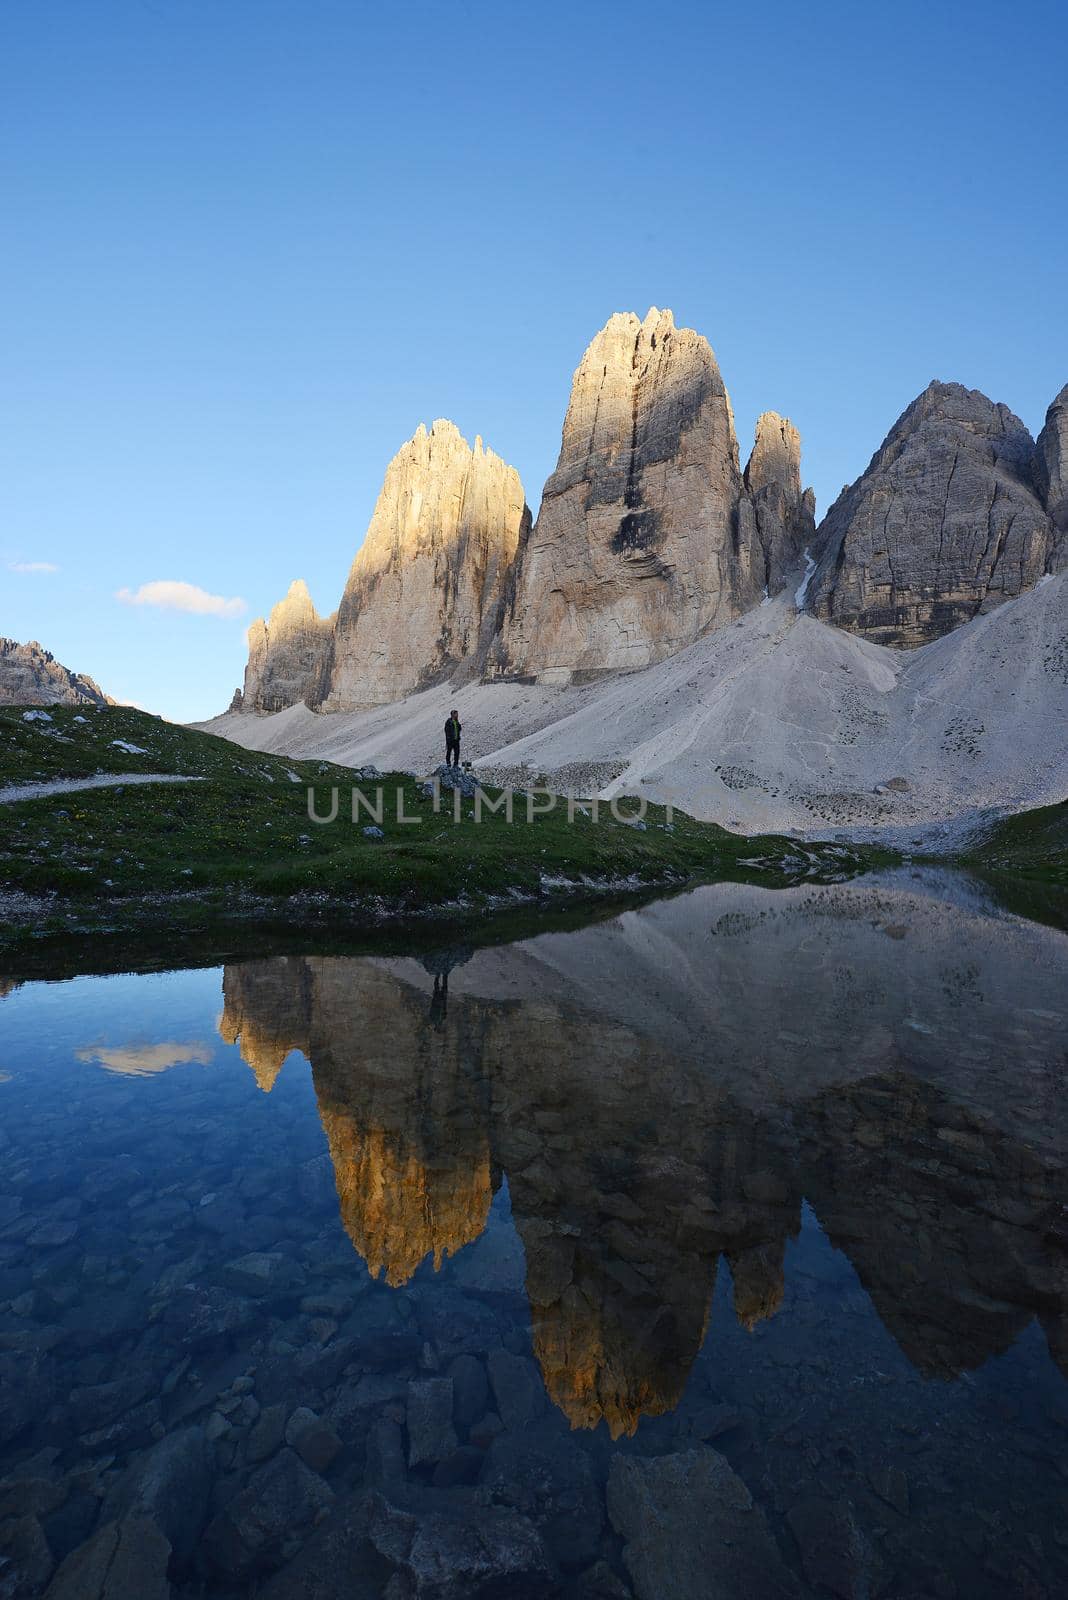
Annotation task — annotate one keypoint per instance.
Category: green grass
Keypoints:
(1031, 845)
(239, 841)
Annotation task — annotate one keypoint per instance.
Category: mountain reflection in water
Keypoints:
(668, 1088)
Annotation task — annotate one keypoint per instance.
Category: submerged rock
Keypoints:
(267, 1521)
(122, 1561)
(691, 1530)
(170, 1484)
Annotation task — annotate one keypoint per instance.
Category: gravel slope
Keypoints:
(778, 722)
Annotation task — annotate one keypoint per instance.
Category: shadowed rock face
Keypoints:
(639, 544)
(31, 676)
(1051, 472)
(936, 1167)
(944, 523)
(287, 655)
(424, 591)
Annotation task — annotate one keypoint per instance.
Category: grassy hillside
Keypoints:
(240, 838)
(1033, 844)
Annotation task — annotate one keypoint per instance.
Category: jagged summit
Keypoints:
(424, 591)
(287, 654)
(944, 523)
(651, 535)
(30, 675)
(641, 542)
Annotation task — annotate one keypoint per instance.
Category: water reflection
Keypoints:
(664, 1091)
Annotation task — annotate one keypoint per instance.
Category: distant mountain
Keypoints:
(31, 676)
(651, 536)
(948, 520)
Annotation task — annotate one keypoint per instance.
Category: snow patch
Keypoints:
(802, 588)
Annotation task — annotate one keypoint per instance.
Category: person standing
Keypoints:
(453, 730)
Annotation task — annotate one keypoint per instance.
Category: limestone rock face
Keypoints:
(944, 523)
(1051, 470)
(31, 676)
(424, 593)
(639, 545)
(288, 654)
(783, 514)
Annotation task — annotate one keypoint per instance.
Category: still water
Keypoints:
(720, 1249)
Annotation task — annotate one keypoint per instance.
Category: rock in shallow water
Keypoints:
(122, 1561)
(431, 1435)
(265, 1523)
(692, 1531)
(171, 1484)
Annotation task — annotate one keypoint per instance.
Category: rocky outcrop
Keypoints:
(288, 655)
(31, 676)
(944, 523)
(422, 599)
(642, 541)
(1051, 471)
(784, 515)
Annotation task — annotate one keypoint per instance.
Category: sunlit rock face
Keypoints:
(788, 1060)
(287, 655)
(402, 1114)
(265, 1007)
(945, 523)
(1051, 472)
(402, 1106)
(422, 599)
(640, 543)
(31, 676)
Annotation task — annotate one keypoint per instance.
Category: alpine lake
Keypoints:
(714, 1250)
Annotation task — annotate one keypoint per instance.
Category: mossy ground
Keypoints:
(239, 840)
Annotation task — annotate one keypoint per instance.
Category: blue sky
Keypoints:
(246, 246)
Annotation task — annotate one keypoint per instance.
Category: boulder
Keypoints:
(691, 1530)
(170, 1484)
(431, 1435)
(267, 1521)
(834, 1551)
(469, 1552)
(543, 1473)
(517, 1388)
(124, 1560)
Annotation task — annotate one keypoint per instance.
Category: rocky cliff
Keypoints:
(31, 676)
(650, 535)
(647, 535)
(288, 654)
(423, 595)
(944, 523)
(1051, 472)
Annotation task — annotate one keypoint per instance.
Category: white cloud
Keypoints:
(32, 566)
(173, 595)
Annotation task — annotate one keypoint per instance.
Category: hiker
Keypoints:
(453, 730)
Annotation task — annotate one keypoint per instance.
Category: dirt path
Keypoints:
(36, 791)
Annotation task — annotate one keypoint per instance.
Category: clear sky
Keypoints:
(247, 246)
